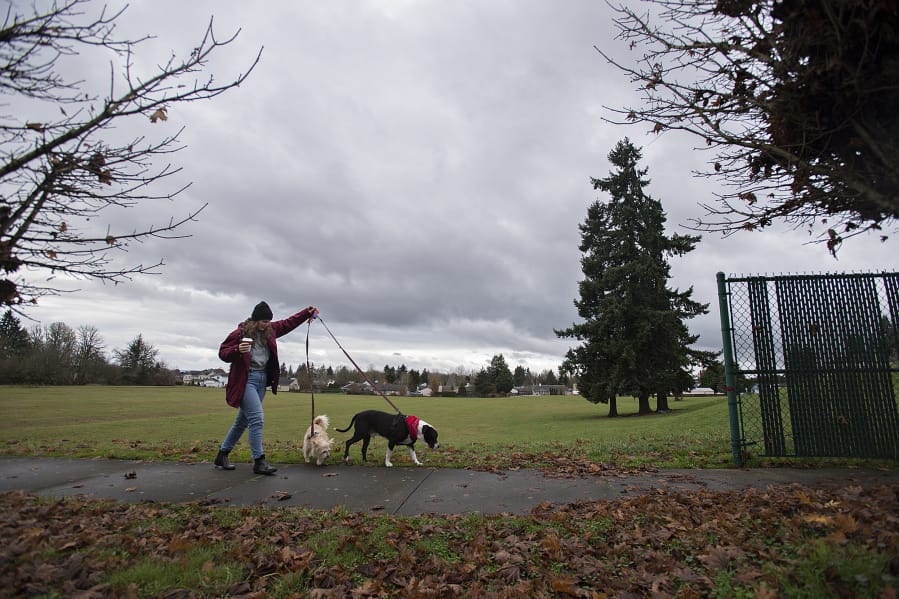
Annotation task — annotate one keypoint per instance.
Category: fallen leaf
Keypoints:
(720, 557)
(846, 523)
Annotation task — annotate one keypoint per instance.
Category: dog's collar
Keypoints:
(413, 421)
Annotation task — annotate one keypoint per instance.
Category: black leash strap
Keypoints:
(350, 358)
(311, 379)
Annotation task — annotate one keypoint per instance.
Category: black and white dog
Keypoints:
(398, 429)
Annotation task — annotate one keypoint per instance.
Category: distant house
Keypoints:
(302, 384)
(215, 381)
(211, 377)
(700, 391)
(542, 390)
(365, 388)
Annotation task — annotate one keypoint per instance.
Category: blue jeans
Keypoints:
(249, 415)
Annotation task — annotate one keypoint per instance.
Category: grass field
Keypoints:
(790, 541)
(188, 423)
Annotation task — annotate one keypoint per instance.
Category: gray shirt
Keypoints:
(258, 355)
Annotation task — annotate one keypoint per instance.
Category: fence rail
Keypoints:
(811, 364)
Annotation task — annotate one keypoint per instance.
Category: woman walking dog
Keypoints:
(252, 351)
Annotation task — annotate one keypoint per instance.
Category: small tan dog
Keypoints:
(318, 445)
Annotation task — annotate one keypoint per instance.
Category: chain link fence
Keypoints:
(811, 364)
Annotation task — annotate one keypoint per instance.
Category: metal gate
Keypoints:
(811, 364)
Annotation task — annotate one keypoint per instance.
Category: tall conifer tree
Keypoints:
(634, 339)
(13, 338)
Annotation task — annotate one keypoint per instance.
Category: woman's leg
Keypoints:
(237, 429)
(251, 406)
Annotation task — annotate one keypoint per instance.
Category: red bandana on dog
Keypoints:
(413, 421)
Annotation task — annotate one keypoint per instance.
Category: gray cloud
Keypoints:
(417, 170)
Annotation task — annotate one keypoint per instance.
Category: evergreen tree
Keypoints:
(483, 385)
(14, 345)
(343, 375)
(303, 376)
(414, 379)
(13, 338)
(500, 375)
(138, 362)
(712, 377)
(518, 376)
(549, 378)
(634, 339)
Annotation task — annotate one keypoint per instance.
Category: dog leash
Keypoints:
(312, 432)
(350, 358)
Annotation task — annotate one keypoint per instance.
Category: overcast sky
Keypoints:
(417, 170)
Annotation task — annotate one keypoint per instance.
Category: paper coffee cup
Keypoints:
(247, 340)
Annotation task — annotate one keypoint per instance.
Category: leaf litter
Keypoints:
(658, 544)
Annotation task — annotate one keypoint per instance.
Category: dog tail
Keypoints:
(322, 421)
(349, 426)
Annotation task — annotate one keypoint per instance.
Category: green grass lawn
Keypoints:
(188, 423)
(791, 541)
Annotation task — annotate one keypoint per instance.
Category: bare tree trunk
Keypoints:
(662, 403)
(644, 404)
(613, 405)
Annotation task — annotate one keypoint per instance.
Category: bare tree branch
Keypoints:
(55, 176)
(796, 100)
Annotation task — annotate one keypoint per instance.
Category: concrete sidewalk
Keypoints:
(398, 490)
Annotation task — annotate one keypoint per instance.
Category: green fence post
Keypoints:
(730, 377)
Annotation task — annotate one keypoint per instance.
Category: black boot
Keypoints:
(260, 467)
(221, 461)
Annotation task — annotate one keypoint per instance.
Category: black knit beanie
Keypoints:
(261, 312)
